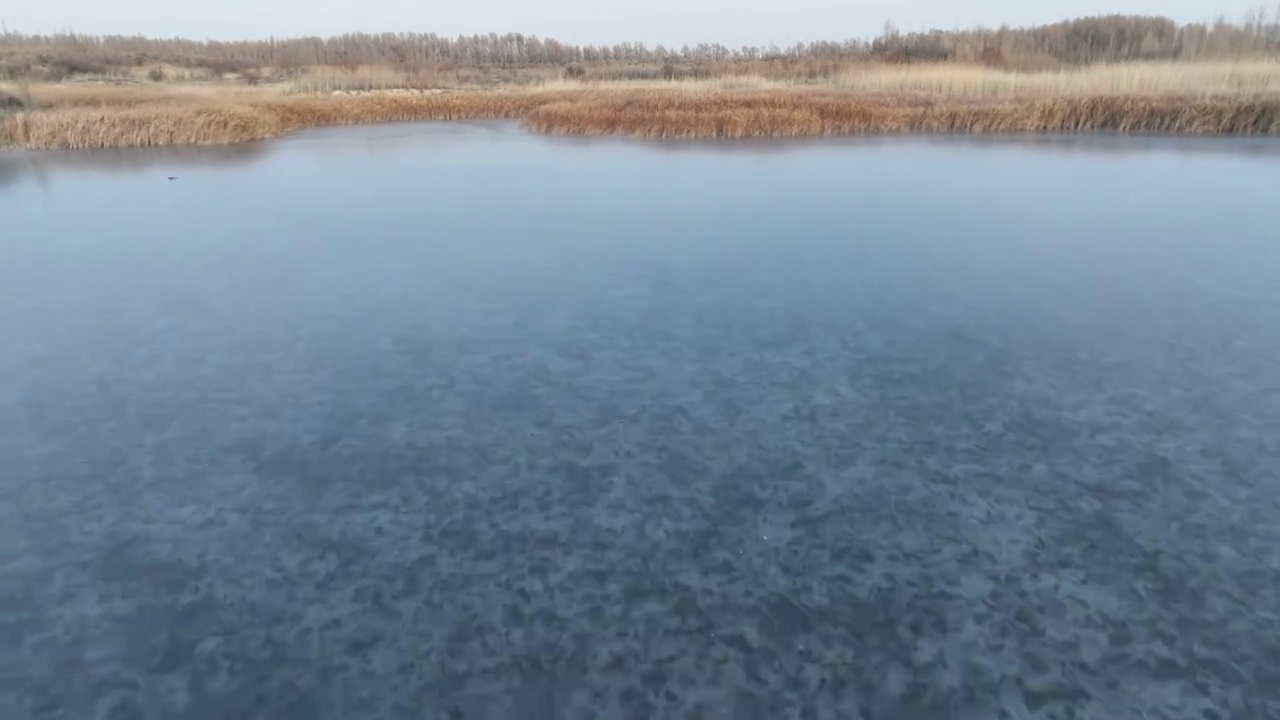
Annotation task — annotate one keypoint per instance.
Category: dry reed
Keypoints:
(225, 120)
(1251, 78)
(322, 79)
(102, 117)
(800, 113)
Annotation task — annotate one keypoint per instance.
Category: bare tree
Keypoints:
(1113, 38)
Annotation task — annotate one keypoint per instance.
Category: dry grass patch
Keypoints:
(800, 113)
(90, 116)
(727, 82)
(322, 79)
(80, 95)
(220, 119)
(1249, 78)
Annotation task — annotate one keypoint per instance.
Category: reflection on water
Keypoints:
(452, 421)
(1262, 148)
(42, 166)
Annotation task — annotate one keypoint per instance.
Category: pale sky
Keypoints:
(670, 22)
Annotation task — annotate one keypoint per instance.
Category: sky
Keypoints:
(670, 22)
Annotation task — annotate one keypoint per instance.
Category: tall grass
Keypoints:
(800, 113)
(712, 84)
(1259, 77)
(82, 95)
(323, 79)
(1254, 77)
(226, 120)
(161, 114)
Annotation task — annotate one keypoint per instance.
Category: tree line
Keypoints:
(1114, 38)
(1108, 39)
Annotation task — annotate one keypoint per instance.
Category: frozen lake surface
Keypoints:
(453, 421)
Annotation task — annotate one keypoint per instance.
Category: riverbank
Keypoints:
(922, 100)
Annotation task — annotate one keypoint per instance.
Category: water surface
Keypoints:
(452, 421)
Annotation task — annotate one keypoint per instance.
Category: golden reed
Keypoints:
(818, 113)
(214, 121)
(651, 112)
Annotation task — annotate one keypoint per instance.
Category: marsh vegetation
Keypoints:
(1113, 74)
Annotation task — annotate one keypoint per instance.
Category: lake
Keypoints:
(455, 421)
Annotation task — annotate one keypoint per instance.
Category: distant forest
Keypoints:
(1107, 39)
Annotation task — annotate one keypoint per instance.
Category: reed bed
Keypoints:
(1204, 79)
(800, 113)
(724, 82)
(215, 120)
(97, 94)
(81, 120)
(320, 79)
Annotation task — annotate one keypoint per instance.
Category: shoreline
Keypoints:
(123, 117)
